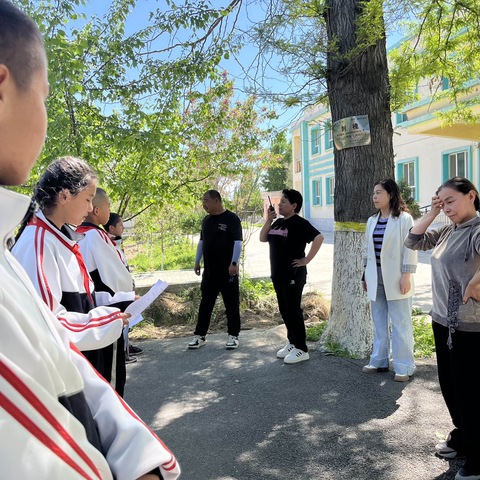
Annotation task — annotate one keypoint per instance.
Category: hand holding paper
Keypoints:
(138, 306)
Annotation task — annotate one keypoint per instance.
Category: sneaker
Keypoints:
(130, 359)
(296, 355)
(197, 342)
(372, 369)
(443, 450)
(133, 350)
(464, 474)
(283, 352)
(232, 342)
(401, 378)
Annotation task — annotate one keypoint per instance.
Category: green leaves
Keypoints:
(147, 104)
(443, 49)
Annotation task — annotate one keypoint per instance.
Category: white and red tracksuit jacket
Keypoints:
(105, 265)
(46, 255)
(53, 405)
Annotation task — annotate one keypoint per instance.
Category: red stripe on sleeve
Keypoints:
(41, 278)
(37, 404)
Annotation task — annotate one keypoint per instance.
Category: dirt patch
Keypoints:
(175, 315)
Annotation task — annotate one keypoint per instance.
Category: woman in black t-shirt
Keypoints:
(288, 237)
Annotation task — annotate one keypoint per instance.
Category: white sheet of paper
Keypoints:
(138, 306)
(133, 321)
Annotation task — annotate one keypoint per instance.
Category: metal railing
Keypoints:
(440, 220)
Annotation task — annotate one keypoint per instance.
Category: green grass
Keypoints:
(315, 331)
(180, 256)
(424, 346)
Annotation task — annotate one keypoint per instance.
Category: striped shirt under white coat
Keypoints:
(378, 234)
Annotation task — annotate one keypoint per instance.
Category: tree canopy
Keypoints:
(148, 106)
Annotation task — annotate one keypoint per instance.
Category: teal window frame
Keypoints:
(330, 189)
(446, 162)
(328, 137)
(315, 138)
(400, 117)
(317, 192)
(401, 174)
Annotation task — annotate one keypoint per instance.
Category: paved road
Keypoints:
(320, 270)
(245, 415)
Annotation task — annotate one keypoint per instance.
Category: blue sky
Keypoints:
(235, 65)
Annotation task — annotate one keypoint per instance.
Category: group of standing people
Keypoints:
(220, 247)
(391, 241)
(61, 296)
(60, 416)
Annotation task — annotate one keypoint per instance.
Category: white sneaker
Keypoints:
(443, 450)
(296, 355)
(197, 342)
(232, 342)
(283, 352)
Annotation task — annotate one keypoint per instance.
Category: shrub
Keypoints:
(315, 331)
(423, 337)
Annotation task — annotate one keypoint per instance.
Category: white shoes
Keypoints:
(232, 342)
(197, 342)
(283, 352)
(295, 356)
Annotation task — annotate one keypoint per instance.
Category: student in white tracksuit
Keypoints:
(58, 418)
(388, 282)
(48, 251)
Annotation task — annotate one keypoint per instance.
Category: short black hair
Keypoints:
(214, 194)
(294, 196)
(21, 44)
(112, 221)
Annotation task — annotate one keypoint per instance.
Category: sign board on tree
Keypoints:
(351, 132)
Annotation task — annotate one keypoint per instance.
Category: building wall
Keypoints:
(424, 160)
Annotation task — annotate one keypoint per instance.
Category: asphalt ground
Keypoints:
(244, 415)
(256, 263)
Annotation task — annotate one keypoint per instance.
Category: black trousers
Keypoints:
(459, 377)
(110, 364)
(229, 288)
(289, 296)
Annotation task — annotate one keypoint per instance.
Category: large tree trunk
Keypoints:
(357, 85)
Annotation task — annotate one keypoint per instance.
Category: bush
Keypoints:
(412, 204)
(423, 337)
(257, 294)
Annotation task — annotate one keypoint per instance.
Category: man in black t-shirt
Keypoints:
(220, 246)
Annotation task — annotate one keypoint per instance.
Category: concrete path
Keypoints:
(245, 415)
(320, 271)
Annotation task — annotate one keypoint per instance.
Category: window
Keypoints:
(298, 166)
(457, 164)
(315, 138)
(407, 171)
(328, 137)
(330, 181)
(400, 117)
(317, 192)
